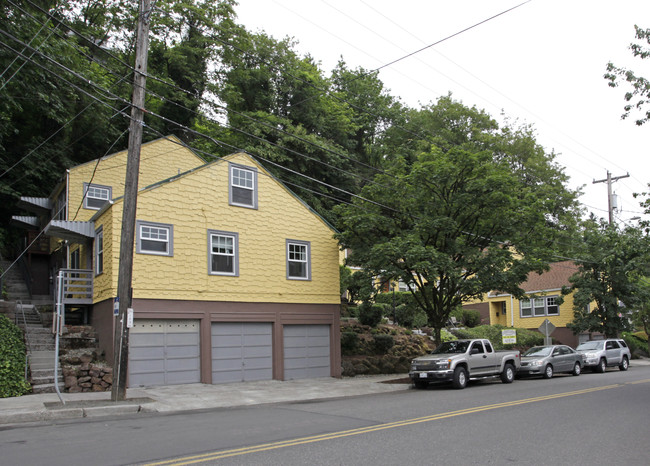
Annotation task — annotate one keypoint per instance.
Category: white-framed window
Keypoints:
(154, 238)
(99, 251)
(95, 196)
(223, 253)
(298, 260)
(538, 307)
(243, 186)
(401, 286)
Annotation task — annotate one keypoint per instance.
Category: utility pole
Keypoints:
(610, 204)
(124, 293)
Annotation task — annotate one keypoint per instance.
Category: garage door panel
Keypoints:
(306, 351)
(164, 352)
(241, 352)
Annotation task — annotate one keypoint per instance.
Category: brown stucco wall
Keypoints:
(207, 312)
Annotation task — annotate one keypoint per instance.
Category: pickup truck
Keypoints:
(460, 360)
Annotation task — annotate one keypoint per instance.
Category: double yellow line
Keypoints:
(365, 430)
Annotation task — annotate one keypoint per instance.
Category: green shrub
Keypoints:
(525, 338)
(470, 318)
(349, 343)
(637, 345)
(12, 360)
(370, 314)
(383, 343)
(420, 319)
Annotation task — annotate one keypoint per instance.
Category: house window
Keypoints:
(538, 307)
(401, 286)
(95, 196)
(298, 260)
(243, 186)
(74, 260)
(99, 251)
(223, 253)
(154, 238)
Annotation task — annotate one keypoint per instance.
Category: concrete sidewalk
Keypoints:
(177, 398)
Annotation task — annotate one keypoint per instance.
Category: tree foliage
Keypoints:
(639, 93)
(457, 221)
(607, 286)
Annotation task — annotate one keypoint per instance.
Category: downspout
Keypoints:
(512, 312)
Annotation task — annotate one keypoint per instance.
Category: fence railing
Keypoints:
(77, 286)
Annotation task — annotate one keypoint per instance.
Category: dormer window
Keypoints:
(95, 196)
(243, 186)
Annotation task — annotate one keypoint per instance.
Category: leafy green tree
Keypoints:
(457, 221)
(637, 96)
(608, 279)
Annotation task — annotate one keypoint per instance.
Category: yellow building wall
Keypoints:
(198, 202)
(159, 160)
(105, 284)
(513, 312)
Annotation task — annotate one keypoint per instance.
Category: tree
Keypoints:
(609, 278)
(454, 224)
(640, 86)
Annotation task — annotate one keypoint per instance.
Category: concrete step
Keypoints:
(45, 379)
(47, 388)
(42, 346)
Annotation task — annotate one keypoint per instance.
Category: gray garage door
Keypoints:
(241, 352)
(164, 352)
(306, 351)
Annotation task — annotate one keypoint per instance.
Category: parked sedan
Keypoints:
(546, 360)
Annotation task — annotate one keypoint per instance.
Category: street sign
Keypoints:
(509, 336)
(116, 306)
(546, 328)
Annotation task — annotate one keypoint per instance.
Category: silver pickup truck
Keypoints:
(460, 360)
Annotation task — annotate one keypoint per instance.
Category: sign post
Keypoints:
(546, 329)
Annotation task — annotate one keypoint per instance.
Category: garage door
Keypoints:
(306, 351)
(164, 352)
(241, 352)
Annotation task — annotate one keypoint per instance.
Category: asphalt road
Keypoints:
(595, 419)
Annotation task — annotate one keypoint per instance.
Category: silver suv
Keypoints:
(598, 354)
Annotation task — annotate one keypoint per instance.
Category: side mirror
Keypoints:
(474, 351)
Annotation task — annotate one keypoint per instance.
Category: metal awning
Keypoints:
(35, 204)
(72, 231)
(25, 221)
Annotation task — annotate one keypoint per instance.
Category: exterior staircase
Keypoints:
(40, 349)
(39, 340)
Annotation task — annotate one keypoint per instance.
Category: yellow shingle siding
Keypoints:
(513, 311)
(198, 202)
(105, 284)
(159, 160)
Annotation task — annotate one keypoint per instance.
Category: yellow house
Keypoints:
(540, 304)
(234, 277)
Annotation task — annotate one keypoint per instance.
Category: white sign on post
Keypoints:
(509, 337)
(129, 317)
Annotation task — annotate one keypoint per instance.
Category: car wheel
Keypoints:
(508, 374)
(420, 384)
(577, 369)
(602, 365)
(460, 378)
(548, 371)
(625, 364)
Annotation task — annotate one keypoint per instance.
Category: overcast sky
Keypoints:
(541, 63)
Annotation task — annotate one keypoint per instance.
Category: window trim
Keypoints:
(231, 234)
(307, 245)
(99, 235)
(253, 170)
(86, 189)
(531, 307)
(163, 226)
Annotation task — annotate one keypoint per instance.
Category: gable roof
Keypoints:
(556, 277)
(221, 160)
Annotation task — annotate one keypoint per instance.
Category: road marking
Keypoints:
(365, 430)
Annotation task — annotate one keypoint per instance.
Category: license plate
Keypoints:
(423, 375)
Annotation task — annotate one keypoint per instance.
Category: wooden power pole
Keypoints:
(121, 335)
(610, 204)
